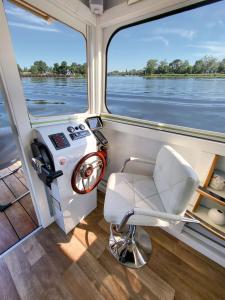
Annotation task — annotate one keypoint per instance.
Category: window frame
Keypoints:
(80, 27)
(170, 128)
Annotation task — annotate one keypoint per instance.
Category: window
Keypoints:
(171, 70)
(51, 60)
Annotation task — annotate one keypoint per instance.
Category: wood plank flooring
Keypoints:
(52, 265)
(19, 219)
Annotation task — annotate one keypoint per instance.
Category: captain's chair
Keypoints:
(160, 200)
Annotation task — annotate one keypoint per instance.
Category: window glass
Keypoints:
(51, 60)
(171, 70)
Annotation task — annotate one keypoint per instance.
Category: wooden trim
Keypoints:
(211, 170)
(197, 201)
(206, 225)
(32, 9)
(205, 194)
(206, 183)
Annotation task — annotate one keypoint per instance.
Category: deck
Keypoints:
(20, 219)
(52, 265)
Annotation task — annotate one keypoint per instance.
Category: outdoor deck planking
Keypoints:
(20, 219)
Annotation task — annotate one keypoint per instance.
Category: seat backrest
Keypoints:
(175, 180)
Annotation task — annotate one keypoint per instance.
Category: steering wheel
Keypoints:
(88, 172)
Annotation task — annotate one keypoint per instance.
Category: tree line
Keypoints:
(206, 65)
(62, 69)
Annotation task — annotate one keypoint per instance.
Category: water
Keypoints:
(52, 96)
(196, 103)
(189, 102)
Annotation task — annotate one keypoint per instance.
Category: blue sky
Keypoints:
(189, 35)
(35, 39)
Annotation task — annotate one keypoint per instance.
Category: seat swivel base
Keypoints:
(132, 247)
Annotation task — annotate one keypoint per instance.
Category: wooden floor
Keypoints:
(19, 219)
(51, 265)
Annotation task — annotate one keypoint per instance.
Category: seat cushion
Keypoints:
(126, 191)
(175, 180)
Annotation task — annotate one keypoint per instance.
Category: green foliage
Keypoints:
(63, 69)
(206, 65)
(39, 67)
(151, 66)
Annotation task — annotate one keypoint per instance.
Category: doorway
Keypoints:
(17, 215)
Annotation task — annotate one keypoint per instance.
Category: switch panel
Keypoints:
(59, 140)
(79, 134)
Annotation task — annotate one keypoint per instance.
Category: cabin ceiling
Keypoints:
(107, 3)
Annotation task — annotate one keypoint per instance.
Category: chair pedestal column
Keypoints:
(131, 247)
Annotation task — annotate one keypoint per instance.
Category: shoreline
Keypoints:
(153, 76)
(174, 76)
(51, 76)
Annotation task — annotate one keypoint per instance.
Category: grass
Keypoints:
(216, 75)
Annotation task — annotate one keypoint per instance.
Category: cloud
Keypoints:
(156, 38)
(33, 27)
(216, 23)
(211, 47)
(25, 16)
(185, 33)
(30, 21)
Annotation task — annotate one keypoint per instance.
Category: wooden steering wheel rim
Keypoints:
(77, 170)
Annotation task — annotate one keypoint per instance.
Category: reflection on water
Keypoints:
(55, 96)
(197, 103)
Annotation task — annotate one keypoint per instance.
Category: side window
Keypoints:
(171, 70)
(51, 59)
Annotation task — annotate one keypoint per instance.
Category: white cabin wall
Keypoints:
(129, 140)
(76, 15)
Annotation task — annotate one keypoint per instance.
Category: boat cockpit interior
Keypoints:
(112, 149)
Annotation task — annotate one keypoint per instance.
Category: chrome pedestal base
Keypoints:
(132, 247)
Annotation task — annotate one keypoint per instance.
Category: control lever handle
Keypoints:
(56, 174)
(49, 175)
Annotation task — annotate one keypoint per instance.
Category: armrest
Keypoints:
(154, 214)
(163, 215)
(151, 162)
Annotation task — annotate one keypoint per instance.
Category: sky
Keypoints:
(189, 35)
(35, 39)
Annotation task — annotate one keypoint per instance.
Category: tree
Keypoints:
(34, 69)
(210, 64)
(55, 68)
(163, 67)
(73, 68)
(175, 66)
(40, 66)
(151, 66)
(185, 68)
(198, 67)
(221, 67)
(63, 68)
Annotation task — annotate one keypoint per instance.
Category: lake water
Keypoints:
(197, 103)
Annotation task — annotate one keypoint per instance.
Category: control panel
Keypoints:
(100, 137)
(95, 124)
(59, 140)
(79, 134)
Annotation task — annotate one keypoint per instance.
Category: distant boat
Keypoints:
(8, 148)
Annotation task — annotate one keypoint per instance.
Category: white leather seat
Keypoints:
(168, 191)
(157, 200)
(126, 191)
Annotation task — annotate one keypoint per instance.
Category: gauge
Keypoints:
(82, 127)
(71, 129)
